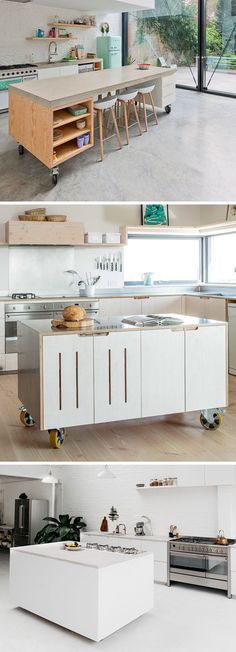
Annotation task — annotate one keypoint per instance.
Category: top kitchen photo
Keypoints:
(117, 100)
(118, 332)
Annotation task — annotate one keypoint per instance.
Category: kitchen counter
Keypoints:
(90, 592)
(115, 371)
(128, 293)
(53, 94)
(115, 325)
(58, 64)
(154, 537)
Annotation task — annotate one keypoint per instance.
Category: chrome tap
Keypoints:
(118, 528)
(50, 53)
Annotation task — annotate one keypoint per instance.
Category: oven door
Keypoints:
(217, 567)
(11, 340)
(187, 563)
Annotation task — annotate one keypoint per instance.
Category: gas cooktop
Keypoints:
(23, 295)
(203, 540)
(17, 66)
(107, 548)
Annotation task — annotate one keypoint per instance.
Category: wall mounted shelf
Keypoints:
(170, 486)
(66, 25)
(64, 39)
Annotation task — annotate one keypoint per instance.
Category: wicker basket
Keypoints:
(36, 211)
(56, 218)
(31, 218)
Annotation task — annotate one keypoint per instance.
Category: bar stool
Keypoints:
(126, 100)
(100, 106)
(142, 91)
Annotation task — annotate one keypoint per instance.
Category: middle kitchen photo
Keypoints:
(117, 332)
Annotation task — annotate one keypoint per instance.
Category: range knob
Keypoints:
(44, 306)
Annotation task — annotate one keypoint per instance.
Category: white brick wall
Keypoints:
(21, 20)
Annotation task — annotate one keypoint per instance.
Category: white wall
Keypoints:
(193, 510)
(44, 266)
(18, 21)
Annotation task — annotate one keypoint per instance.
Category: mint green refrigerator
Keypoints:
(109, 49)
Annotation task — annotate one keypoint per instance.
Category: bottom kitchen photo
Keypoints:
(124, 555)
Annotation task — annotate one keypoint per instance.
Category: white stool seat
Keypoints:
(127, 95)
(145, 89)
(105, 103)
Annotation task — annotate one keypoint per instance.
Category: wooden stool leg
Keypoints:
(100, 125)
(116, 127)
(145, 113)
(153, 107)
(129, 109)
(108, 123)
(136, 116)
(126, 124)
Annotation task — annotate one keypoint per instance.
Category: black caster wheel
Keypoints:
(26, 418)
(21, 150)
(57, 437)
(213, 424)
(168, 108)
(54, 179)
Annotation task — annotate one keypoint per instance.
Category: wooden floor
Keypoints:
(176, 438)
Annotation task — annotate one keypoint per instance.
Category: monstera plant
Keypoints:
(65, 528)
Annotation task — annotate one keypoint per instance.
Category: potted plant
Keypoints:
(65, 528)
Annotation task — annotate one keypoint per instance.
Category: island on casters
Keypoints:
(91, 592)
(119, 370)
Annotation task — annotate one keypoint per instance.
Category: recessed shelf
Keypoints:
(63, 117)
(69, 133)
(68, 150)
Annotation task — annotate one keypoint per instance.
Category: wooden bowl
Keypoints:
(56, 218)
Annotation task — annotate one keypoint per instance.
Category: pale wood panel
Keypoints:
(174, 438)
(44, 233)
(30, 124)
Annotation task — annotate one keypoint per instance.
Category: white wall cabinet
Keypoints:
(206, 368)
(117, 376)
(162, 372)
(47, 73)
(67, 381)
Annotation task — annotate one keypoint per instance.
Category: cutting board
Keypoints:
(72, 325)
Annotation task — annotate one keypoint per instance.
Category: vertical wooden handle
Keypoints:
(125, 372)
(77, 379)
(59, 380)
(109, 375)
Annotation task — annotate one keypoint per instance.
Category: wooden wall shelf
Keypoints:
(66, 25)
(44, 233)
(64, 39)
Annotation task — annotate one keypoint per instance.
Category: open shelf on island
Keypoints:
(69, 133)
(63, 117)
(69, 149)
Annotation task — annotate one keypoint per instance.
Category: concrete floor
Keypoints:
(184, 619)
(190, 156)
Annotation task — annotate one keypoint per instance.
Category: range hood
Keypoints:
(83, 6)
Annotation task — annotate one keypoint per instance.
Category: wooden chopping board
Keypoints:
(72, 325)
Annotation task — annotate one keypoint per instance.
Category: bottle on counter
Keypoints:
(104, 525)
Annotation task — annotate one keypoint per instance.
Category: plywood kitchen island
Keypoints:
(118, 371)
(38, 108)
(91, 592)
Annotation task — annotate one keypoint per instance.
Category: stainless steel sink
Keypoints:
(147, 321)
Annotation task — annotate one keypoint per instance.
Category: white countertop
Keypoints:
(58, 64)
(83, 557)
(123, 293)
(154, 537)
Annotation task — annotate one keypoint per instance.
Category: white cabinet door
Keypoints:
(122, 306)
(67, 381)
(220, 474)
(233, 583)
(195, 306)
(66, 71)
(206, 368)
(160, 572)
(215, 308)
(162, 305)
(162, 372)
(47, 73)
(233, 561)
(158, 548)
(117, 376)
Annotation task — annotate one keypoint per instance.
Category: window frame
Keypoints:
(153, 236)
(206, 256)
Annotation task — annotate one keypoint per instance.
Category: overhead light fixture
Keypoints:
(49, 479)
(106, 474)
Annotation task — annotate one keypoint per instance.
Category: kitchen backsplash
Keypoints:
(42, 269)
(24, 19)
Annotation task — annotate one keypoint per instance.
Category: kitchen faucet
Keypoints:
(118, 528)
(50, 53)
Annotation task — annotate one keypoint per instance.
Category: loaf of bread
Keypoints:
(74, 313)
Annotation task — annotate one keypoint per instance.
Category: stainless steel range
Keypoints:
(201, 561)
(14, 74)
(107, 548)
(18, 311)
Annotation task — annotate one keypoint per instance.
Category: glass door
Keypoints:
(219, 47)
(217, 568)
(187, 564)
(167, 35)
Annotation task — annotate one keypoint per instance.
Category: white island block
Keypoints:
(91, 592)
